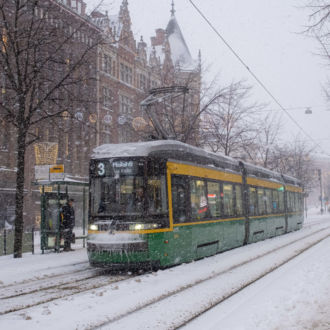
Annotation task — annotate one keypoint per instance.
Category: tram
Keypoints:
(161, 203)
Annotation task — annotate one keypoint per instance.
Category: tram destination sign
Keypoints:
(116, 167)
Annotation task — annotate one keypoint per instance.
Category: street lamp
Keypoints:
(319, 171)
(308, 111)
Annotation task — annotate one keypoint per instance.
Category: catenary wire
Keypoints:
(254, 76)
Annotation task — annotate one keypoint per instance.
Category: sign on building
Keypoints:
(41, 172)
(56, 172)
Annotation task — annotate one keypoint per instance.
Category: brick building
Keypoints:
(125, 70)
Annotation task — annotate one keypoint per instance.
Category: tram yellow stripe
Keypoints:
(202, 172)
(293, 188)
(267, 216)
(209, 221)
(169, 193)
(262, 183)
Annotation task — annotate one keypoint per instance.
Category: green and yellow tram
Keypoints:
(162, 203)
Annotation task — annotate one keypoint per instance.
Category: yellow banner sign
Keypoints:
(57, 169)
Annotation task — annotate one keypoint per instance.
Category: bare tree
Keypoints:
(296, 159)
(319, 28)
(229, 123)
(179, 113)
(47, 63)
(262, 151)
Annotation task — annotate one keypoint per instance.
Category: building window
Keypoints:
(154, 84)
(125, 134)
(106, 97)
(126, 105)
(126, 74)
(143, 82)
(107, 63)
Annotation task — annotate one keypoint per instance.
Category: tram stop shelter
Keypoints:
(54, 195)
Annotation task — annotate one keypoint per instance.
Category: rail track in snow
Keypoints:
(164, 317)
(30, 293)
(34, 292)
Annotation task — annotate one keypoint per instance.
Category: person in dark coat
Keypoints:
(68, 222)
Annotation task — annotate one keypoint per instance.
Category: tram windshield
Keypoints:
(132, 190)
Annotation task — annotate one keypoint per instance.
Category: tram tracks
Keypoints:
(93, 279)
(24, 296)
(47, 278)
(187, 310)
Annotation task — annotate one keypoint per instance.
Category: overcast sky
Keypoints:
(266, 34)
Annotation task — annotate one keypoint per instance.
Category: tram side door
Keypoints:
(182, 234)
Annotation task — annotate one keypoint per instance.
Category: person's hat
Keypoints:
(71, 200)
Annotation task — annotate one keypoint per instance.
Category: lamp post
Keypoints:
(321, 197)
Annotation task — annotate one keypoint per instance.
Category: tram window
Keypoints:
(275, 201)
(156, 195)
(239, 203)
(214, 199)
(179, 198)
(289, 201)
(252, 201)
(299, 202)
(228, 198)
(281, 201)
(116, 195)
(199, 204)
(261, 201)
(269, 201)
(131, 194)
(295, 201)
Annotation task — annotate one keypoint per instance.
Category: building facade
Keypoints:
(125, 70)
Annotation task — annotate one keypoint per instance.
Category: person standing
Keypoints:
(68, 222)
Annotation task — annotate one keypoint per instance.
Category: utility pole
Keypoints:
(321, 197)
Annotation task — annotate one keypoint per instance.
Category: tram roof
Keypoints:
(177, 150)
(169, 149)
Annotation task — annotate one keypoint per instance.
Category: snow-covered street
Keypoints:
(244, 285)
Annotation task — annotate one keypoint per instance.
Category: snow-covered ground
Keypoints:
(295, 296)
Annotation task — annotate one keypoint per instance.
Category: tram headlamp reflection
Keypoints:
(143, 226)
(93, 227)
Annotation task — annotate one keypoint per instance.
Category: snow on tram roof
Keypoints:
(146, 148)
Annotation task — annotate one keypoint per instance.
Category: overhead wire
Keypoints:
(254, 75)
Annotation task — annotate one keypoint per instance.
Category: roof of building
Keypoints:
(179, 50)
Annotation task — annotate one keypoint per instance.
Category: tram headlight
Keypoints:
(138, 226)
(143, 226)
(93, 227)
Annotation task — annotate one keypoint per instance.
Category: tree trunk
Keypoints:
(19, 221)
